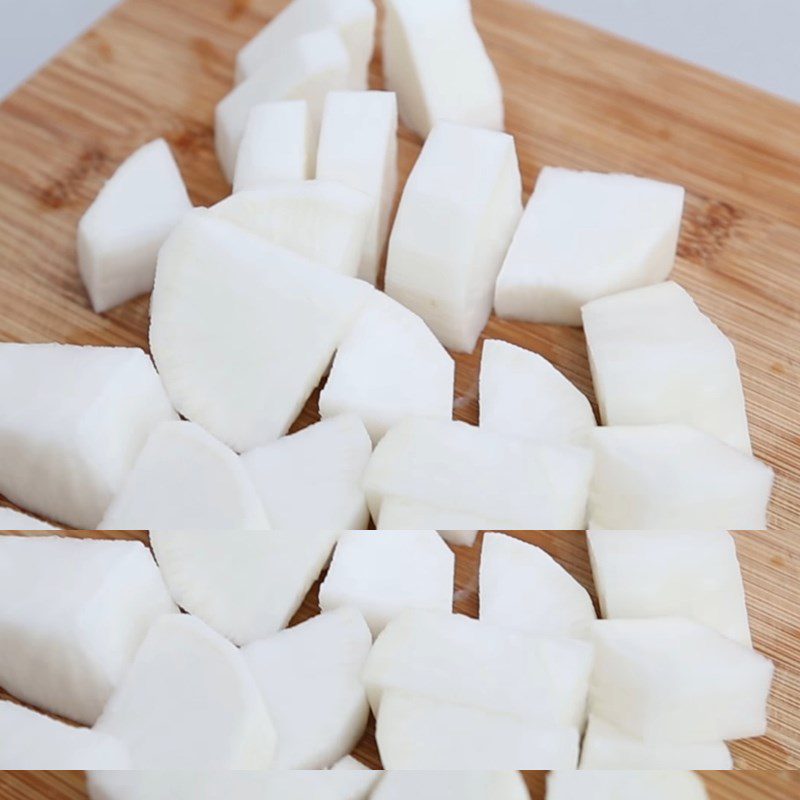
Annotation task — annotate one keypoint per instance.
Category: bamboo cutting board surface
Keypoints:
(574, 97)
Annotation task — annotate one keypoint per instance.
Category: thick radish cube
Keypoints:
(404, 514)
(625, 785)
(11, 520)
(458, 212)
(440, 784)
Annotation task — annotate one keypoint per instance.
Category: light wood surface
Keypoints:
(574, 96)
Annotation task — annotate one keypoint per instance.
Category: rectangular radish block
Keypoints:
(73, 613)
(11, 520)
(675, 681)
(120, 234)
(384, 573)
(586, 235)
(625, 785)
(405, 514)
(439, 784)
(458, 212)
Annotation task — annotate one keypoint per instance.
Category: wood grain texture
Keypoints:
(574, 97)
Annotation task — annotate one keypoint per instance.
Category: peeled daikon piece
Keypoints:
(312, 479)
(523, 587)
(61, 599)
(185, 478)
(523, 394)
(692, 574)
(625, 785)
(121, 232)
(310, 679)
(483, 476)
(435, 60)
(72, 422)
(673, 680)
(384, 573)
(439, 784)
(277, 320)
(11, 520)
(245, 585)
(411, 374)
(458, 212)
(189, 701)
(358, 148)
(673, 477)
(459, 538)
(323, 221)
(405, 514)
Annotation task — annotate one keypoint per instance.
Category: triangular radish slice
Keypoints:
(462, 784)
(245, 585)
(11, 520)
(185, 478)
(625, 785)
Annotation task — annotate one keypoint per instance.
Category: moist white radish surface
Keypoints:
(11, 520)
(466, 784)
(625, 785)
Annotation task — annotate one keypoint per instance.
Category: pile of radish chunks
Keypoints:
(260, 298)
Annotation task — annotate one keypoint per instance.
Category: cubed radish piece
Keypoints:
(312, 479)
(73, 612)
(673, 477)
(277, 145)
(350, 763)
(358, 148)
(320, 220)
(435, 59)
(411, 374)
(384, 573)
(523, 394)
(675, 681)
(245, 585)
(120, 234)
(404, 514)
(625, 785)
(72, 422)
(455, 220)
(11, 520)
(482, 476)
(692, 574)
(524, 588)
(460, 538)
(439, 784)
(310, 679)
(277, 321)
(185, 478)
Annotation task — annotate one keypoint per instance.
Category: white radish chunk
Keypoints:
(120, 234)
(312, 479)
(458, 212)
(350, 763)
(277, 321)
(625, 785)
(440, 784)
(73, 613)
(358, 148)
(189, 701)
(310, 679)
(11, 520)
(523, 394)
(586, 235)
(371, 571)
(656, 358)
(675, 681)
(244, 585)
(410, 373)
(435, 60)
(405, 514)
(185, 478)
(692, 574)
(673, 477)
(523, 587)
(459, 538)
(72, 422)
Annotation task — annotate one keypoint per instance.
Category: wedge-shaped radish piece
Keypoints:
(11, 520)
(692, 574)
(455, 220)
(483, 476)
(586, 235)
(372, 571)
(185, 478)
(310, 679)
(358, 148)
(673, 680)
(411, 374)
(277, 321)
(523, 587)
(625, 785)
(245, 585)
(73, 612)
(404, 514)
(523, 394)
(606, 747)
(435, 60)
(439, 784)
(321, 220)
(312, 479)
(674, 477)
(460, 538)
(656, 358)
(72, 422)
(120, 234)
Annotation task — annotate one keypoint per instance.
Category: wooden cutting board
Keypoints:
(574, 97)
